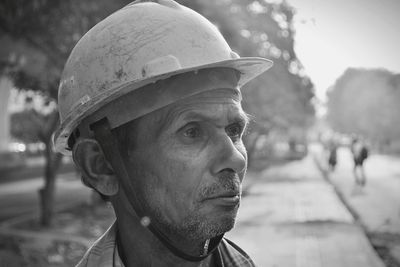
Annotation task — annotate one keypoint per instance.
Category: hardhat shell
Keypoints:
(137, 45)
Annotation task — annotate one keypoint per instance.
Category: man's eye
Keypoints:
(192, 131)
(234, 130)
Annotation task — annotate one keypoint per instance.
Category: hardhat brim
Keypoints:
(249, 68)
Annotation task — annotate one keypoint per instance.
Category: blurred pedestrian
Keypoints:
(332, 156)
(360, 154)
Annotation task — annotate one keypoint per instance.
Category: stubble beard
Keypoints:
(196, 227)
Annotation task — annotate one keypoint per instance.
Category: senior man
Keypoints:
(150, 108)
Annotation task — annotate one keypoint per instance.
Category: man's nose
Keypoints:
(229, 155)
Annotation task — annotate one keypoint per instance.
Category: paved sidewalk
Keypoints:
(293, 217)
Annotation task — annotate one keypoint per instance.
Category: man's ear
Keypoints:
(96, 171)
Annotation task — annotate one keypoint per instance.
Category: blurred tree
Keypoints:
(36, 37)
(27, 125)
(280, 99)
(366, 102)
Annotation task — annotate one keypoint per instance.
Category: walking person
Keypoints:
(332, 154)
(360, 154)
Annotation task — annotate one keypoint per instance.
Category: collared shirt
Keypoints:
(104, 253)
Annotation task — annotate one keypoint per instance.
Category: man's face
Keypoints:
(186, 163)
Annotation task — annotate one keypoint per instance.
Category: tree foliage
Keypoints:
(40, 34)
(366, 102)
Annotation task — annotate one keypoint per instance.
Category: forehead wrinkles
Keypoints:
(218, 96)
(200, 106)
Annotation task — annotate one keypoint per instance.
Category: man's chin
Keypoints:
(226, 224)
(209, 226)
(220, 225)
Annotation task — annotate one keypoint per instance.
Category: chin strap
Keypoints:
(110, 147)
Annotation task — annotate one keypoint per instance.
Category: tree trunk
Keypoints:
(46, 194)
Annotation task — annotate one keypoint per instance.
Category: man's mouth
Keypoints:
(231, 198)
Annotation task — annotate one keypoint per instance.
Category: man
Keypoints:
(150, 108)
(360, 154)
(332, 150)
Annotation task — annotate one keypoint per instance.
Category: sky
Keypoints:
(332, 35)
